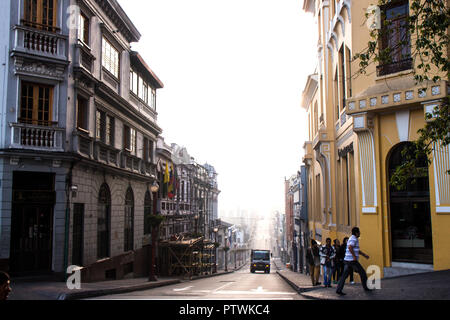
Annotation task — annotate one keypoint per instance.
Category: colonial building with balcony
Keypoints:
(77, 141)
(358, 126)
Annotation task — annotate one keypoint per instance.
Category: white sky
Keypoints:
(233, 74)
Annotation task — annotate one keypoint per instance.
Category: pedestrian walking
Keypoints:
(336, 270)
(327, 255)
(351, 261)
(5, 288)
(342, 254)
(313, 258)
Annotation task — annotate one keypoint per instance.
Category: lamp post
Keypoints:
(215, 248)
(226, 256)
(154, 189)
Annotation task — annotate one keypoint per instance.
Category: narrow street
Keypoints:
(240, 285)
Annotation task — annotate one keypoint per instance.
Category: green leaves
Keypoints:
(154, 220)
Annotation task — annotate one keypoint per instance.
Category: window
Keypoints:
(143, 91)
(84, 28)
(103, 222)
(342, 82)
(104, 130)
(82, 113)
(395, 38)
(40, 14)
(141, 88)
(153, 98)
(110, 58)
(129, 139)
(109, 135)
(147, 150)
(36, 102)
(134, 82)
(129, 221)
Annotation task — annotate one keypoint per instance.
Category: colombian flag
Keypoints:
(166, 180)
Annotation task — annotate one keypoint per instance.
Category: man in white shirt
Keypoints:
(351, 262)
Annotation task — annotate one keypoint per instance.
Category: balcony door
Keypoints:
(36, 101)
(40, 14)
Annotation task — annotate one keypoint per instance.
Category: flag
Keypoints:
(171, 184)
(166, 180)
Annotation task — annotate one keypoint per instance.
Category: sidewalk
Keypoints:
(46, 289)
(423, 286)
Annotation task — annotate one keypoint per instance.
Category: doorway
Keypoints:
(410, 215)
(32, 222)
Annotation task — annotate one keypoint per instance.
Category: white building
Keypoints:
(77, 138)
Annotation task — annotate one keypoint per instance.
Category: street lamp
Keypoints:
(215, 249)
(152, 277)
(155, 187)
(226, 257)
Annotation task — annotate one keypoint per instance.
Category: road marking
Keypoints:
(254, 292)
(225, 285)
(182, 289)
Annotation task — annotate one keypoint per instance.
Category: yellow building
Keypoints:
(358, 126)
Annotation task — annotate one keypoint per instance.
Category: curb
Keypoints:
(300, 290)
(103, 292)
(150, 285)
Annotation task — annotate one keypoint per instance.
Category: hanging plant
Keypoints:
(155, 220)
(216, 245)
(226, 248)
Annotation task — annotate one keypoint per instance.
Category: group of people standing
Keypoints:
(337, 261)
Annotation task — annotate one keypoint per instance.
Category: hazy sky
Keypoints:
(233, 74)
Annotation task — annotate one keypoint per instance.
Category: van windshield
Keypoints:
(261, 255)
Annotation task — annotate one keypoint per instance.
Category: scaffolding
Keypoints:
(186, 257)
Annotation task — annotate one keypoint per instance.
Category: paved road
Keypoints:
(240, 285)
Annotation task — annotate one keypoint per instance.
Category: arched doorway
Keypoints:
(410, 217)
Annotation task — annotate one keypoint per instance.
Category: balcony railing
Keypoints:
(40, 42)
(36, 137)
(394, 67)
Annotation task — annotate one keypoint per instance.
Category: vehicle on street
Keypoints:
(260, 260)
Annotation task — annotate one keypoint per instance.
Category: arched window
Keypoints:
(129, 221)
(103, 222)
(147, 212)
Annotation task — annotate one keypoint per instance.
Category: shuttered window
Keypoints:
(110, 58)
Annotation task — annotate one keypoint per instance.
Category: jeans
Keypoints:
(326, 275)
(350, 266)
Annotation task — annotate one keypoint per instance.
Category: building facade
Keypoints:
(78, 145)
(358, 126)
